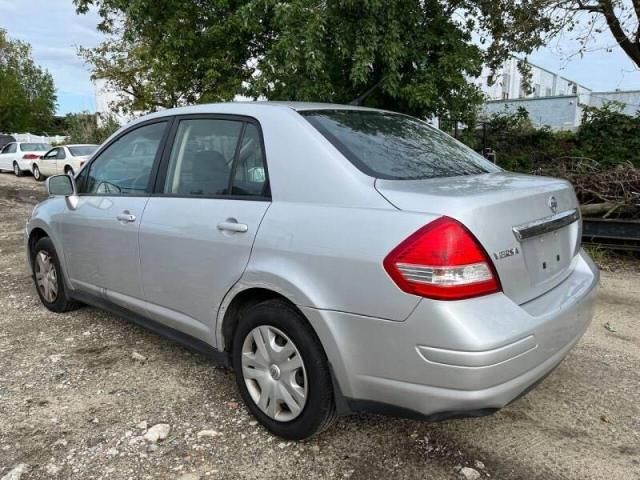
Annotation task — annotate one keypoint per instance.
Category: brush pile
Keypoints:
(603, 192)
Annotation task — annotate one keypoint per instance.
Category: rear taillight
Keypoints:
(443, 261)
(30, 156)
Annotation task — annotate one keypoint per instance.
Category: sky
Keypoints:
(55, 31)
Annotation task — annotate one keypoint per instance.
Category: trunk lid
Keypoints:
(532, 246)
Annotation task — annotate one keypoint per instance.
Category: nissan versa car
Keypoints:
(341, 259)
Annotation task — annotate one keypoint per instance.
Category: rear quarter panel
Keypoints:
(330, 257)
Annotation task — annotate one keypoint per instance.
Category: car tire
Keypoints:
(314, 406)
(36, 174)
(50, 286)
(16, 169)
(69, 171)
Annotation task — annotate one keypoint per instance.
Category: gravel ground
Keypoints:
(78, 392)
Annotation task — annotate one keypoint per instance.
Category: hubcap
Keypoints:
(16, 170)
(274, 373)
(36, 173)
(46, 276)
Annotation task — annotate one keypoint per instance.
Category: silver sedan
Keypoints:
(340, 259)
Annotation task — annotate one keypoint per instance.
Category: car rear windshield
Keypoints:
(83, 150)
(396, 147)
(34, 147)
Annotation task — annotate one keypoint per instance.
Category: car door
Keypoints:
(60, 160)
(198, 228)
(100, 232)
(7, 156)
(47, 163)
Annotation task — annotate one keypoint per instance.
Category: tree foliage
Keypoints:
(586, 18)
(27, 92)
(84, 128)
(606, 136)
(414, 56)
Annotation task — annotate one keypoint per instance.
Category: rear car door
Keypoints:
(100, 233)
(60, 160)
(198, 228)
(47, 163)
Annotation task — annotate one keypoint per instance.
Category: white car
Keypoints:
(64, 159)
(19, 156)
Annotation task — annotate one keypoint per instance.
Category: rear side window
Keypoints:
(250, 176)
(83, 150)
(34, 147)
(396, 147)
(202, 156)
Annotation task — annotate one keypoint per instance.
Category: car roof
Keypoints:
(80, 145)
(245, 108)
(241, 107)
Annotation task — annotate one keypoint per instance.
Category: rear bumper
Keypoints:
(472, 356)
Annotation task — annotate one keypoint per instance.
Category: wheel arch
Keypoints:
(238, 299)
(35, 235)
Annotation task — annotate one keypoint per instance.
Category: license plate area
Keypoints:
(548, 255)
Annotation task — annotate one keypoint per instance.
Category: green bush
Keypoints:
(606, 135)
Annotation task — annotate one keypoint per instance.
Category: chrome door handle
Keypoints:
(233, 226)
(126, 217)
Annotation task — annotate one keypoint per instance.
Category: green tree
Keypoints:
(84, 128)
(27, 92)
(410, 55)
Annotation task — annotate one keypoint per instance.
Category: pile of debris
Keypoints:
(603, 191)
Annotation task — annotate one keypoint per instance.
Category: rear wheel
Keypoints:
(282, 371)
(36, 174)
(16, 169)
(47, 276)
(69, 171)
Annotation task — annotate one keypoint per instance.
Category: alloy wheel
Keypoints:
(36, 173)
(274, 373)
(16, 169)
(46, 276)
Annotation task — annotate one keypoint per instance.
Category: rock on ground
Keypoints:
(17, 472)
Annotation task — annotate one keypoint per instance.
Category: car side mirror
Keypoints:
(61, 185)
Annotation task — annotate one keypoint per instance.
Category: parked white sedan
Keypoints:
(62, 159)
(19, 156)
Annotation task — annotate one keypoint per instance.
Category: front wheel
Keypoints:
(282, 371)
(47, 275)
(36, 174)
(16, 169)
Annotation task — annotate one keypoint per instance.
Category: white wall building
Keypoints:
(106, 98)
(508, 83)
(554, 101)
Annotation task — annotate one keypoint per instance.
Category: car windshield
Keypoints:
(34, 147)
(83, 150)
(396, 147)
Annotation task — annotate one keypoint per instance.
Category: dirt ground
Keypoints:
(73, 400)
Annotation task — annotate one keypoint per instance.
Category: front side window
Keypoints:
(250, 176)
(51, 154)
(396, 147)
(124, 167)
(202, 157)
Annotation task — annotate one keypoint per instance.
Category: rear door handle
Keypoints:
(233, 226)
(126, 217)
